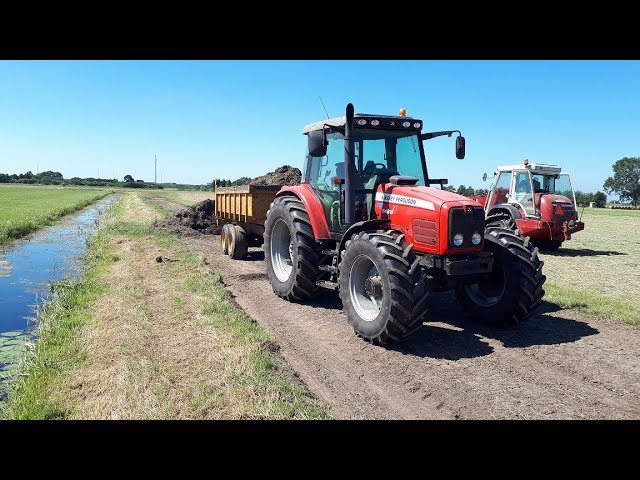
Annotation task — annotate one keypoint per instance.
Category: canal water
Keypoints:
(29, 266)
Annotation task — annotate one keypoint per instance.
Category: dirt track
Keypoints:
(554, 365)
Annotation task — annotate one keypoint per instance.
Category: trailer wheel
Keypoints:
(382, 288)
(290, 250)
(237, 242)
(514, 289)
(500, 219)
(224, 239)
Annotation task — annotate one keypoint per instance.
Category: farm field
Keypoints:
(24, 209)
(598, 270)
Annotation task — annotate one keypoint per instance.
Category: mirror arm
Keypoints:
(430, 135)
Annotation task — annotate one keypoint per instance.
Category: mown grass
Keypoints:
(26, 209)
(182, 197)
(244, 379)
(596, 272)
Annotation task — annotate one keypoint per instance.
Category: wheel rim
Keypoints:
(223, 239)
(365, 288)
(281, 250)
(488, 292)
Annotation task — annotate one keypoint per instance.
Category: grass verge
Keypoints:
(593, 303)
(137, 338)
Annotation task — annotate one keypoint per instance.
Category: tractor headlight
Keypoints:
(476, 239)
(362, 121)
(458, 239)
(375, 122)
(406, 124)
(417, 125)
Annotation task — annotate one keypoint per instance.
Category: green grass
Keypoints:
(36, 390)
(596, 271)
(25, 209)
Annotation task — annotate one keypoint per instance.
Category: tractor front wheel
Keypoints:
(382, 288)
(513, 290)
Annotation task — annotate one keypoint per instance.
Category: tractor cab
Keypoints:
(525, 185)
(385, 149)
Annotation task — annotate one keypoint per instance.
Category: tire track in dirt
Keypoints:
(557, 364)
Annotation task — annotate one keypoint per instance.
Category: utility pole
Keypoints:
(155, 170)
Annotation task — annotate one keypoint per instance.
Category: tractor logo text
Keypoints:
(402, 200)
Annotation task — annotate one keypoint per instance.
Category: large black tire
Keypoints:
(237, 242)
(514, 289)
(224, 239)
(292, 274)
(397, 285)
(500, 219)
(548, 245)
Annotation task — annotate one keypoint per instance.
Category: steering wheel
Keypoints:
(370, 170)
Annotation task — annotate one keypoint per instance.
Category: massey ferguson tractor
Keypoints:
(536, 199)
(365, 221)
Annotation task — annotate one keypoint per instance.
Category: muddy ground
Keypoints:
(555, 365)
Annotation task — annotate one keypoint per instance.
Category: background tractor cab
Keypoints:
(537, 199)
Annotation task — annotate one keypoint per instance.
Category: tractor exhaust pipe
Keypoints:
(349, 163)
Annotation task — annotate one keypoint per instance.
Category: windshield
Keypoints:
(380, 152)
(557, 184)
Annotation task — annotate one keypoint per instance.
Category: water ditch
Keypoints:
(28, 268)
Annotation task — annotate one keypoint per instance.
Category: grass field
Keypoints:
(24, 209)
(598, 270)
(183, 197)
(140, 339)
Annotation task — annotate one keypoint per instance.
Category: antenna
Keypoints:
(155, 170)
(325, 109)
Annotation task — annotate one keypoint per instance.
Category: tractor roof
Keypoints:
(385, 120)
(540, 168)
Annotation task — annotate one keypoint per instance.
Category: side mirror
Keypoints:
(317, 142)
(484, 177)
(460, 147)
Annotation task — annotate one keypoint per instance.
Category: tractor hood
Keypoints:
(421, 197)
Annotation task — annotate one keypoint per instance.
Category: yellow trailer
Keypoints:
(243, 211)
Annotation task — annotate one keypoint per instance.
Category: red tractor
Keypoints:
(366, 222)
(536, 199)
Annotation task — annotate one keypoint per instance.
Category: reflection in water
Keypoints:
(30, 265)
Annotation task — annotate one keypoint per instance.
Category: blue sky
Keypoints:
(227, 119)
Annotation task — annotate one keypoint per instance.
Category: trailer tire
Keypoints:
(291, 251)
(237, 242)
(514, 289)
(224, 239)
(382, 288)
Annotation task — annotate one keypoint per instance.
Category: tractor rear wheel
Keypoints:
(514, 288)
(224, 239)
(290, 250)
(237, 242)
(382, 288)
(500, 219)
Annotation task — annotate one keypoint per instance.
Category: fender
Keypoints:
(359, 227)
(314, 208)
(513, 211)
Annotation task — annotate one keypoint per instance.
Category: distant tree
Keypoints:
(449, 188)
(241, 181)
(481, 191)
(582, 198)
(49, 174)
(28, 174)
(599, 199)
(128, 178)
(626, 179)
(466, 191)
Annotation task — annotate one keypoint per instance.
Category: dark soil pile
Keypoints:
(285, 175)
(192, 220)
